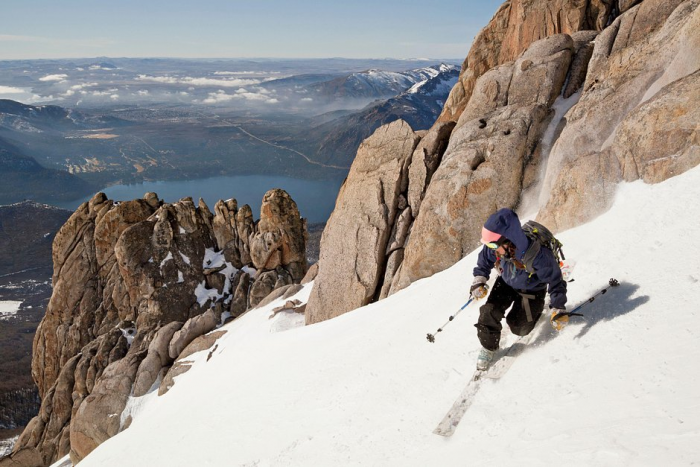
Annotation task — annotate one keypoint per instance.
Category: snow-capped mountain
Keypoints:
(23, 118)
(377, 83)
(419, 105)
(366, 388)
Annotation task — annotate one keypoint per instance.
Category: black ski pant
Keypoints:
(527, 309)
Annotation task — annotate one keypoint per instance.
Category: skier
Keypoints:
(505, 248)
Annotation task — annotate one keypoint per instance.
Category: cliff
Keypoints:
(136, 283)
(556, 104)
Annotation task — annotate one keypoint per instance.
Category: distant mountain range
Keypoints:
(378, 84)
(419, 104)
(42, 118)
(305, 125)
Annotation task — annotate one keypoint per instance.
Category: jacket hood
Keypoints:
(505, 222)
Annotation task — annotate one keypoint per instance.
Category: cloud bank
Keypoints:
(221, 96)
(190, 81)
(53, 78)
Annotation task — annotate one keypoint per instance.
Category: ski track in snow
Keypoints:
(617, 387)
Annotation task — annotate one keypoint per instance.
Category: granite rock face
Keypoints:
(488, 154)
(516, 25)
(557, 102)
(134, 283)
(354, 242)
(635, 118)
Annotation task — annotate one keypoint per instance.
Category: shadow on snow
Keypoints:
(617, 301)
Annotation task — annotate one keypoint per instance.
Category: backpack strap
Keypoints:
(530, 255)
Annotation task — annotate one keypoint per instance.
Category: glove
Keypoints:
(479, 289)
(559, 323)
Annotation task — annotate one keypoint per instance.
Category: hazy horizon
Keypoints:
(270, 58)
(220, 29)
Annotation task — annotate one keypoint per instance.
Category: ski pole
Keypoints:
(611, 283)
(431, 337)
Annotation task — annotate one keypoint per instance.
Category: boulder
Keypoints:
(182, 365)
(284, 292)
(539, 73)
(583, 51)
(240, 303)
(158, 356)
(310, 274)
(245, 227)
(354, 242)
(635, 82)
(193, 328)
(226, 231)
(266, 282)
(280, 239)
(98, 417)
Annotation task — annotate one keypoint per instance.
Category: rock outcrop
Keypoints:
(637, 116)
(563, 88)
(516, 25)
(487, 157)
(355, 240)
(136, 283)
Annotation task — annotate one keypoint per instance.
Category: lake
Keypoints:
(315, 198)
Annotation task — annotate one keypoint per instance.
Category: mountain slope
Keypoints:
(22, 178)
(337, 141)
(617, 387)
(374, 83)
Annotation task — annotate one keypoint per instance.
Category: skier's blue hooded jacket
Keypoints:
(547, 272)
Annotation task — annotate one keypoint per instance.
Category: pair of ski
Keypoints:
(498, 368)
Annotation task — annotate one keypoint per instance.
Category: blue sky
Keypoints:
(216, 28)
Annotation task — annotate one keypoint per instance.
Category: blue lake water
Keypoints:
(315, 198)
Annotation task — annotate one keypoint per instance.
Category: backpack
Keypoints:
(541, 237)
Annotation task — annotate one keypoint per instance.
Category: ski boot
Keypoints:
(484, 359)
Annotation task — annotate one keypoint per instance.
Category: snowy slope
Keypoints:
(378, 83)
(619, 387)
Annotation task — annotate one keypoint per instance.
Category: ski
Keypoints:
(449, 423)
(498, 368)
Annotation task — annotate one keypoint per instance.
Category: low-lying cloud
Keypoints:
(247, 73)
(54, 78)
(190, 81)
(221, 96)
(23, 95)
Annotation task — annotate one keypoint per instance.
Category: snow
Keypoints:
(129, 333)
(616, 387)
(166, 259)
(63, 462)
(213, 259)
(536, 195)
(6, 446)
(203, 293)
(9, 308)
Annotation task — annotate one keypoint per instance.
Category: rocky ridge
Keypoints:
(564, 99)
(561, 99)
(137, 284)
